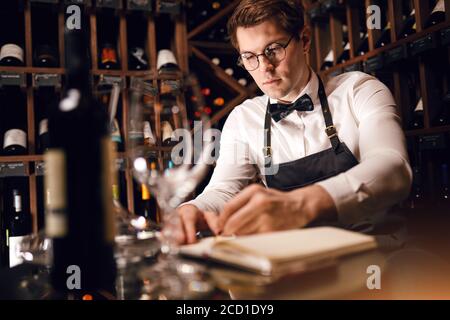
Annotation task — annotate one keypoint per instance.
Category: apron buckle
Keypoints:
(267, 152)
(331, 131)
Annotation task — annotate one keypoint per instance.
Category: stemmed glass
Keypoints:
(135, 235)
(172, 182)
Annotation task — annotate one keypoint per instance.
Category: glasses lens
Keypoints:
(275, 53)
(249, 61)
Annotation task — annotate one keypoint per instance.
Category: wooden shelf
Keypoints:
(149, 74)
(32, 70)
(224, 47)
(28, 163)
(388, 47)
(24, 158)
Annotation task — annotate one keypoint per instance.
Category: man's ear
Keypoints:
(305, 37)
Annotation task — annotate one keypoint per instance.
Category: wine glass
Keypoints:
(135, 235)
(172, 181)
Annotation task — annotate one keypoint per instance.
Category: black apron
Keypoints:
(322, 165)
(313, 168)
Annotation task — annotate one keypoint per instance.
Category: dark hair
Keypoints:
(287, 13)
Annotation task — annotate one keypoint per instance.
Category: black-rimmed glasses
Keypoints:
(274, 52)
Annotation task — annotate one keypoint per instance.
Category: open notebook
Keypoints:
(282, 252)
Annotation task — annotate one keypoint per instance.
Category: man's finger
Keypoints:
(212, 220)
(189, 221)
(243, 221)
(237, 202)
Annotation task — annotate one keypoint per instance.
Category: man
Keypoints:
(338, 150)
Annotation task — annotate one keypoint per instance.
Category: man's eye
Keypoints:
(270, 52)
(247, 57)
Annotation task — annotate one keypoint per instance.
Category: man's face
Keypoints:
(283, 80)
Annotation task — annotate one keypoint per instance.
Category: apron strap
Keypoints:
(267, 150)
(330, 129)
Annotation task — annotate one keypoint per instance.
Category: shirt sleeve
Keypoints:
(383, 177)
(233, 172)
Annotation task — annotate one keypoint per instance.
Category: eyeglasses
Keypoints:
(274, 52)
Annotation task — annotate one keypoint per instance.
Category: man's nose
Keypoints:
(265, 64)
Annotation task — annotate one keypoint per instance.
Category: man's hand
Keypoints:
(257, 209)
(192, 220)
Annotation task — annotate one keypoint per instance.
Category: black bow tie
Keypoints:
(280, 111)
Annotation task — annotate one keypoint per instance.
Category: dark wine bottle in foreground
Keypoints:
(79, 217)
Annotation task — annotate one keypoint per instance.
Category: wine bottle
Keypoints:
(364, 45)
(112, 101)
(44, 19)
(136, 36)
(108, 58)
(417, 119)
(116, 136)
(219, 102)
(45, 56)
(42, 196)
(4, 250)
(15, 135)
(218, 33)
(138, 59)
(409, 25)
(437, 14)
(444, 197)
(139, 5)
(345, 55)
(11, 54)
(418, 197)
(443, 117)
(107, 31)
(317, 14)
(241, 76)
(166, 62)
(328, 62)
(216, 6)
(80, 218)
(385, 37)
(44, 100)
(19, 226)
(167, 133)
(227, 63)
(152, 203)
(12, 42)
(333, 6)
(172, 7)
(148, 204)
(149, 139)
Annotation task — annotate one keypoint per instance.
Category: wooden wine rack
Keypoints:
(183, 49)
(325, 36)
(321, 45)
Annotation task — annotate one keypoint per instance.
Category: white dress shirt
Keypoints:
(366, 119)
